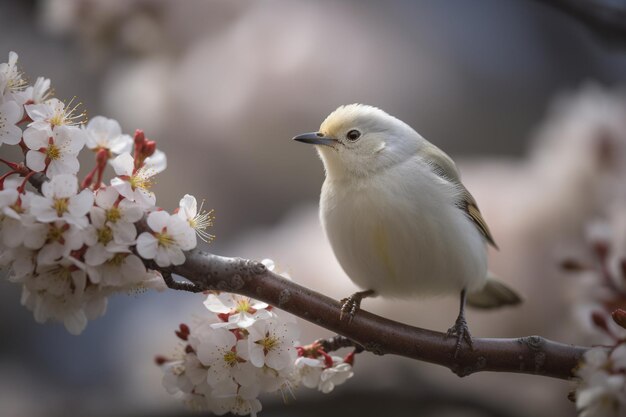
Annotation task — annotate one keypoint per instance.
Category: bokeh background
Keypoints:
(526, 98)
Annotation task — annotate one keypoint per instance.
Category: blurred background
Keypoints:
(526, 98)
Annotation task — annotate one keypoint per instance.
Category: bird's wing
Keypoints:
(445, 167)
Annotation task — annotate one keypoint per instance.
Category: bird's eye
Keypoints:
(353, 135)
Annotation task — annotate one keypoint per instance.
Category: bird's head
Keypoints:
(359, 140)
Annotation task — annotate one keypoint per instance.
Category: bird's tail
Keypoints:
(493, 295)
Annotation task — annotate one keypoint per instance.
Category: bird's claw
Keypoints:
(461, 331)
(349, 307)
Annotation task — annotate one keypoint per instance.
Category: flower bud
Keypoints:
(599, 319)
(140, 138)
(619, 317)
(149, 147)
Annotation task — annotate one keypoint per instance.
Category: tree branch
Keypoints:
(529, 355)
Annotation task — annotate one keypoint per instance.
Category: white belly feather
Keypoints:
(403, 238)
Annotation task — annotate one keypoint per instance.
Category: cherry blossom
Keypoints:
(54, 151)
(10, 115)
(105, 242)
(131, 183)
(156, 163)
(37, 93)
(13, 80)
(170, 237)
(53, 241)
(53, 113)
(603, 383)
(60, 201)
(120, 213)
(218, 351)
(199, 220)
(104, 133)
(241, 311)
(270, 342)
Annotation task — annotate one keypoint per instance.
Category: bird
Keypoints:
(398, 218)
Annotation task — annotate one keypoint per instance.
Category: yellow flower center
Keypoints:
(113, 214)
(230, 358)
(55, 234)
(67, 115)
(117, 259)
(105, 235)
(268, 343)
(61, 205)
(53, 152)
(141, 179)
(243, 305)
(164, 239)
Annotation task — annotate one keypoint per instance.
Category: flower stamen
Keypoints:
(61, 205)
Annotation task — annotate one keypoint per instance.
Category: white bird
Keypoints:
(398, 218)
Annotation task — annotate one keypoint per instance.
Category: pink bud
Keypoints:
(140, 138)
(149, 147)
(619, 317)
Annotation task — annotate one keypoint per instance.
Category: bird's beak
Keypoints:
(315, 138)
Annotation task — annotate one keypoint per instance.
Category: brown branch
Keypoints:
(529, 355)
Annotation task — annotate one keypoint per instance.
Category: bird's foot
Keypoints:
(352, 304)
(461, 331)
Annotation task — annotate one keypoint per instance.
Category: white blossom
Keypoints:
(105, 242)
(56, 292)
(270, 342)
(53, 113)
(602, 390)
(335, 375)
(242, 311)
(38, 92)
(54, 241)
(238, 405)
(120, 212)
(55, 151)
(61, 201)
(199, 220)
(315, 373)
(217, 350)
(170, 237)
(104, 133)
(10, 115)
(310, 371)
(133, 184)
(123, 269)
(157, 162)
(12, 78)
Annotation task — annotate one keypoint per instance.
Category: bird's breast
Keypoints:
(402, 237)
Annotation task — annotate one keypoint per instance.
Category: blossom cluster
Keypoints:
(602, 387)
(601, 312)
(71, 243)
(601, 275)
(241, 349)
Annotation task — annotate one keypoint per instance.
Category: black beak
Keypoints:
(315, 138)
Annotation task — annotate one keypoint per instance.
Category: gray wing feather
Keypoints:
(444, 167)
